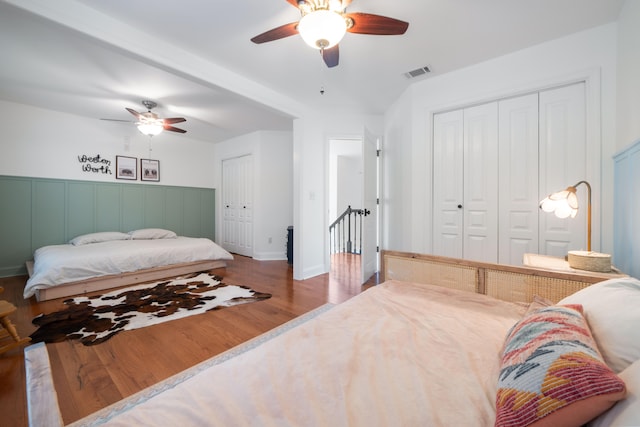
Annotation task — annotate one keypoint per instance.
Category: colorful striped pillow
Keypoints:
(552, 373)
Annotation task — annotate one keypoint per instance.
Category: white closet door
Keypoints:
(563, 148)
(237, 202)
(518, 178)
(448, 131)
(480, 205)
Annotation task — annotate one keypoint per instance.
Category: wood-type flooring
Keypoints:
(90, 378)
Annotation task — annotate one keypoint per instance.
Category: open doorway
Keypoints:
(352, 201)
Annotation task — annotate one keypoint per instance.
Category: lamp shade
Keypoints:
(322, 29)
(563, 204)
(150, 128)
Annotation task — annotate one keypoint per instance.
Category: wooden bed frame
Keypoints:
(125, 279)
(505, 282)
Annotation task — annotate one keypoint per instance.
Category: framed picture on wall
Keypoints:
(126, 167)
(149, 170)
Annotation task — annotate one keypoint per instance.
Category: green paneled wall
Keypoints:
(37, 212)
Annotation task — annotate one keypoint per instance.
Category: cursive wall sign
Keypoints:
(95, 164)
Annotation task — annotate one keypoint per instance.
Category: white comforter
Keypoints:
(58, 264)
(399, 354)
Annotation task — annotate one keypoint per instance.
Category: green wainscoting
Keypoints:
(37, 212)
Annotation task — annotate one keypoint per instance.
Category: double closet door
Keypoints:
(492, 164)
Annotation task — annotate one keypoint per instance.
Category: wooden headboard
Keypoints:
(505, 282)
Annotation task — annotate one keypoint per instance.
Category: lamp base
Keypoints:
(590, 261)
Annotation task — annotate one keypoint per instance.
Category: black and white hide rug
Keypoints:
(95, 319)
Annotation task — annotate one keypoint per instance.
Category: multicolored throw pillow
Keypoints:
(552, 373)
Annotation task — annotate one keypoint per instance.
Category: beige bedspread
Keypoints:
(399, 354)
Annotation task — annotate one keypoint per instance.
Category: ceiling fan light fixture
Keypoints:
(322, 29)
(150, 129)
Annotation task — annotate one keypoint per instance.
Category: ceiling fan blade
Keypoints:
(331, 56)
(367, 23)
(293, 3)
(173, 129)
(117, 120)
(134, 112)
(173, 120)
(280, 32)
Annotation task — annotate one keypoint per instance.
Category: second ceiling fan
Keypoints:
(150, 124)
(324, 23)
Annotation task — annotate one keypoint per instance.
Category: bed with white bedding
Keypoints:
(104, 260)
(412, 354)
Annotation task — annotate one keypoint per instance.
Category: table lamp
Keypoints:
(564, 204)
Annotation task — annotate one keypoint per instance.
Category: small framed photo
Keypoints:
(126, 167)
(149, 170)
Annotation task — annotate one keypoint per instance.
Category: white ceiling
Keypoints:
(194, 57)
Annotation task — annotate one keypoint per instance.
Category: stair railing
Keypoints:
(345, 233)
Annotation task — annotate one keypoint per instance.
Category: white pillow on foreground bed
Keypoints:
(152, 233)
(103, 236)
(626, 412)
(612, 309)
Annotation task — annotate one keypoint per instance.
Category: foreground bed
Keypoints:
(99, 261)
(403, 353)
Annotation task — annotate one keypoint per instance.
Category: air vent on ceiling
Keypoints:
(417, 72)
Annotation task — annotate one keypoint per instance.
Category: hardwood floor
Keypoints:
(90, 378)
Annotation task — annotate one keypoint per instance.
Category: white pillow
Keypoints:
(152, 233)
(627, 411)
(103, 236)
(612, 309)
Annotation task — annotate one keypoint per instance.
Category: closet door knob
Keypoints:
(459, 206)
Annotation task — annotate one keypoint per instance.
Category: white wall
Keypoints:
(628, 111)
(345, 176)
(46, 144)
(588, 54)
(273, 188)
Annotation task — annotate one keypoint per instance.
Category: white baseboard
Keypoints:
(270, 256)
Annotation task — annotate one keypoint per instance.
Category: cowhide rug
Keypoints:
(96, 319)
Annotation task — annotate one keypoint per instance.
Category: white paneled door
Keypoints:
(480, 202)
(465, 183)
(448, 195)
(563, 151)
(237, 205)
(518, 178)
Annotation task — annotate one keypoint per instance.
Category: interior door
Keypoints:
(518, 184)
(480, 206)
(563, 162)
(369, 256)
(448, 132)
(237, 205)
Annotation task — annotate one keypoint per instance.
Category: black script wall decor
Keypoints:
(95, 164)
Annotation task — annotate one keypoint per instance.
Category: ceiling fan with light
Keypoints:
(150, 124)
(325, 22)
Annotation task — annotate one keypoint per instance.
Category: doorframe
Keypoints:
(220, 215)
(327, 195)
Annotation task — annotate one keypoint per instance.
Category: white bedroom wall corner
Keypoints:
(396, 178)
(309, 182)
(298, 148)
(274, 199)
